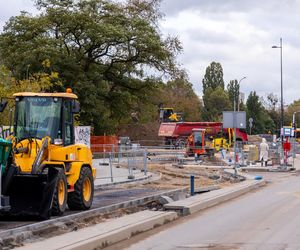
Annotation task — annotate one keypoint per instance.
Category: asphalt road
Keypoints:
(268, 218)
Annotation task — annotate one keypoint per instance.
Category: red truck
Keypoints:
(176, 133)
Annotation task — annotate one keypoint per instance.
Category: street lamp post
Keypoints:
(281, 93)
(295, 135)
(239, 92)
(234, 126)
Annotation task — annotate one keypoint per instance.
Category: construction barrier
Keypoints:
(105, 143)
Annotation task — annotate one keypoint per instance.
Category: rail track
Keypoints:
(107, 204)
(101, 199)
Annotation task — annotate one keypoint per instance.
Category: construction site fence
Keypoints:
(135, 161)
(136, 157)
(149, 142)
(249, 153)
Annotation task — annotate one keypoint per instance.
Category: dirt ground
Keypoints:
(175, 176)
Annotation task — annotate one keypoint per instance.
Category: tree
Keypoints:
(272, 101)
(215, 98)
(254, 111)
(213, 77)
(215, 101)
(262, 122)
(294, 107)
(233, 89)
(180, 95)
(34, 83)
(103, 49)
(273, 110)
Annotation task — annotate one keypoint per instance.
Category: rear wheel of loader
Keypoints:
(60, 195)
(82, 197)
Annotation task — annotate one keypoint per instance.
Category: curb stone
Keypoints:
(199, 202)
(106, 233)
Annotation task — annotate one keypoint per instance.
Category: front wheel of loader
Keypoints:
(59, 202)
(82, 197)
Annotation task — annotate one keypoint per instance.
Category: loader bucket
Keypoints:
(32, 195)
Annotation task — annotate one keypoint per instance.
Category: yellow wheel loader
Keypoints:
(168, 115)
(42, 168)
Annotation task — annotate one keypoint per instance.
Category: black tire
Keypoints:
(76, 200)
(59, 207)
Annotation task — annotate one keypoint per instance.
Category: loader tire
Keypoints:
(59, 202)
(82, 197)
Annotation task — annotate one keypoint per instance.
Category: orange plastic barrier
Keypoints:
(107, 143)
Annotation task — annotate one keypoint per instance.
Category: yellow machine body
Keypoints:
(47, 170)
(223, 142)
(168, 115)
(71, 158)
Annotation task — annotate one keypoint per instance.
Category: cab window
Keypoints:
(68, 123)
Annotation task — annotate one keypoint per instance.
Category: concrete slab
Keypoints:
(200, 202)
(105, 234)
(257, 169)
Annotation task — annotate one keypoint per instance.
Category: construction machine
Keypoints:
(223, 140)
(168, 115)
(42, 168)
(198, 144)
(176, 133)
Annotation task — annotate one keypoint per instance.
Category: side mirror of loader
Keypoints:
(75, 107)
(3, 105)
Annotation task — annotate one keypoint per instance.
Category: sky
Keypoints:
(238, 34)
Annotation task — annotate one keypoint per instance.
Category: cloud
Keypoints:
(13, 8)
(238, 34)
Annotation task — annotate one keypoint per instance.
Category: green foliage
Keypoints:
(104, 50)
(294, 107)
(233, 89)
(34, 83)
(262, 122)
(273, 110)
(215, 102)
(255, 111)
(213, 77)
(179, 94)
(215, 98)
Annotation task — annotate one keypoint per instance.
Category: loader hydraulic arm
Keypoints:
(36, 169)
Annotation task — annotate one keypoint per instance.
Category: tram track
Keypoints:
(107, 204)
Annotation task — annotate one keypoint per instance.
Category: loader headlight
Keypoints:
(58, 141)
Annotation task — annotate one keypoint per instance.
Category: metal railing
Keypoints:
(133, 160)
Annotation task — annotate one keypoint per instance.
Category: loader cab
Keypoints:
(168, 115)
(37, 116)
(196, 142)
(199, 138)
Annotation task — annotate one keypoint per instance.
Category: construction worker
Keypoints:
(264, 152)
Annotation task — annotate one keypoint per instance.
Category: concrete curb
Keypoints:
(25, 232)
(200, 202)
(256, 169)
(266, 169)
(106, 233)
